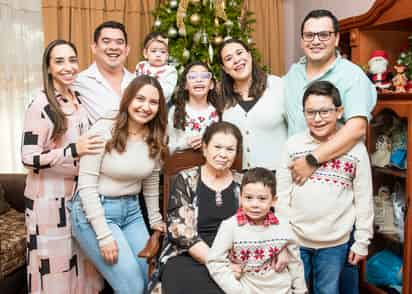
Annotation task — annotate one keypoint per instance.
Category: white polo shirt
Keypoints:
(263, 127)
(99, 98)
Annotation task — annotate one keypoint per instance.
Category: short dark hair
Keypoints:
(260, 175)
(226, 128)
(154, 36)
(323, 88)
(318, 13)
(111, 24)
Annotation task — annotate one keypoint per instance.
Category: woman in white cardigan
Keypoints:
(253, 101)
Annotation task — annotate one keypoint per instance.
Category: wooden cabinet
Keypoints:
(385, 26)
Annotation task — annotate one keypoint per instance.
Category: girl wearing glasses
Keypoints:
(253, 101)
(195, 107)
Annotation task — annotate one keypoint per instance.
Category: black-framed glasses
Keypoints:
(323, 112)
(323, 36)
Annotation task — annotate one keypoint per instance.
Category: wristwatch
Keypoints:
(311, 160)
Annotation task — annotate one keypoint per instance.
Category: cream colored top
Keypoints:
(113, 175)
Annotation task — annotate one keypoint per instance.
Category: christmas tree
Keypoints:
(196, 29)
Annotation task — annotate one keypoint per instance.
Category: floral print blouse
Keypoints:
(182, 213)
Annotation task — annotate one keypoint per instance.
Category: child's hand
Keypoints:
(354, 258)
(195, 142)
(281, 260)
(237, 270)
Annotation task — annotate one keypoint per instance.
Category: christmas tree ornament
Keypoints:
(195, 2)
(182, 32)
(228, 24)
(249, 41)
(157, 23)
(217, 24)
(173, 4)
(231, 3)
(217, 40)
(197, 36)
(172, 32)
(228, 37)
(210, 51)
(194, 19)
(180, 70)
(186, 54)
(205, 38)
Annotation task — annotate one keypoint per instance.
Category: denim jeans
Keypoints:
(349, 277)
(323, 268)
(124, 217)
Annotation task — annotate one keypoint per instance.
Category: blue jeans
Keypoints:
(124, 217)
(349, 277)
(323, 268)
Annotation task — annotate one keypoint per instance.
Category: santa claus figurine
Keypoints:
(378, 69)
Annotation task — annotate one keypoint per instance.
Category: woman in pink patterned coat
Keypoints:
(53, 140)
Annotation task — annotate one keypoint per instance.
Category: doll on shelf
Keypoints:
(378, 69)
(399, 80)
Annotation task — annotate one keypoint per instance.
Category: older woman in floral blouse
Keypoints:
(201, 197)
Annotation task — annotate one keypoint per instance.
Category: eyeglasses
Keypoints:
(323, 113)
(199, 75)
(323, 36)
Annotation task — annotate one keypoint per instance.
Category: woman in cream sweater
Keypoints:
(107, 219)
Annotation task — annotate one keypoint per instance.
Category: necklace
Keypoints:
(219, 198)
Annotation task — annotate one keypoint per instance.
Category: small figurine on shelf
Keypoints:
(408, 87)
(400, 80)
(381, 157)
(378, 69)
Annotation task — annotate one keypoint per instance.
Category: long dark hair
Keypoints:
(259, 78)
(182, 97)
(157, 126)
(57, 116)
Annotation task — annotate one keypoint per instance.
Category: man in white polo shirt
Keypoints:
(104, 81)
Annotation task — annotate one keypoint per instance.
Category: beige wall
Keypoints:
(296, 10)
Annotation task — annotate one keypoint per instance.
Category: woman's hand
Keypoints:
(161, 227)
(110, 252)
(89, 144)
(195, 142)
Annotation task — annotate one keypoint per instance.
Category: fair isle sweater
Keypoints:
(337, 196)
(254, 247)
(114, 175)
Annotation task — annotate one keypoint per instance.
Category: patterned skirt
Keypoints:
(55, 263)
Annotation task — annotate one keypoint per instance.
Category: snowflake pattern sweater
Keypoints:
(335, 198)
(254, 247)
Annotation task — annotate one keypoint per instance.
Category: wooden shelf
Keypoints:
(395, 96)
(390, 171)
(390, 237)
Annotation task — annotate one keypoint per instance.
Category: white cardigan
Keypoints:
(263, 128)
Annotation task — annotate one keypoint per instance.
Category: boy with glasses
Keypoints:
(335, 198)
